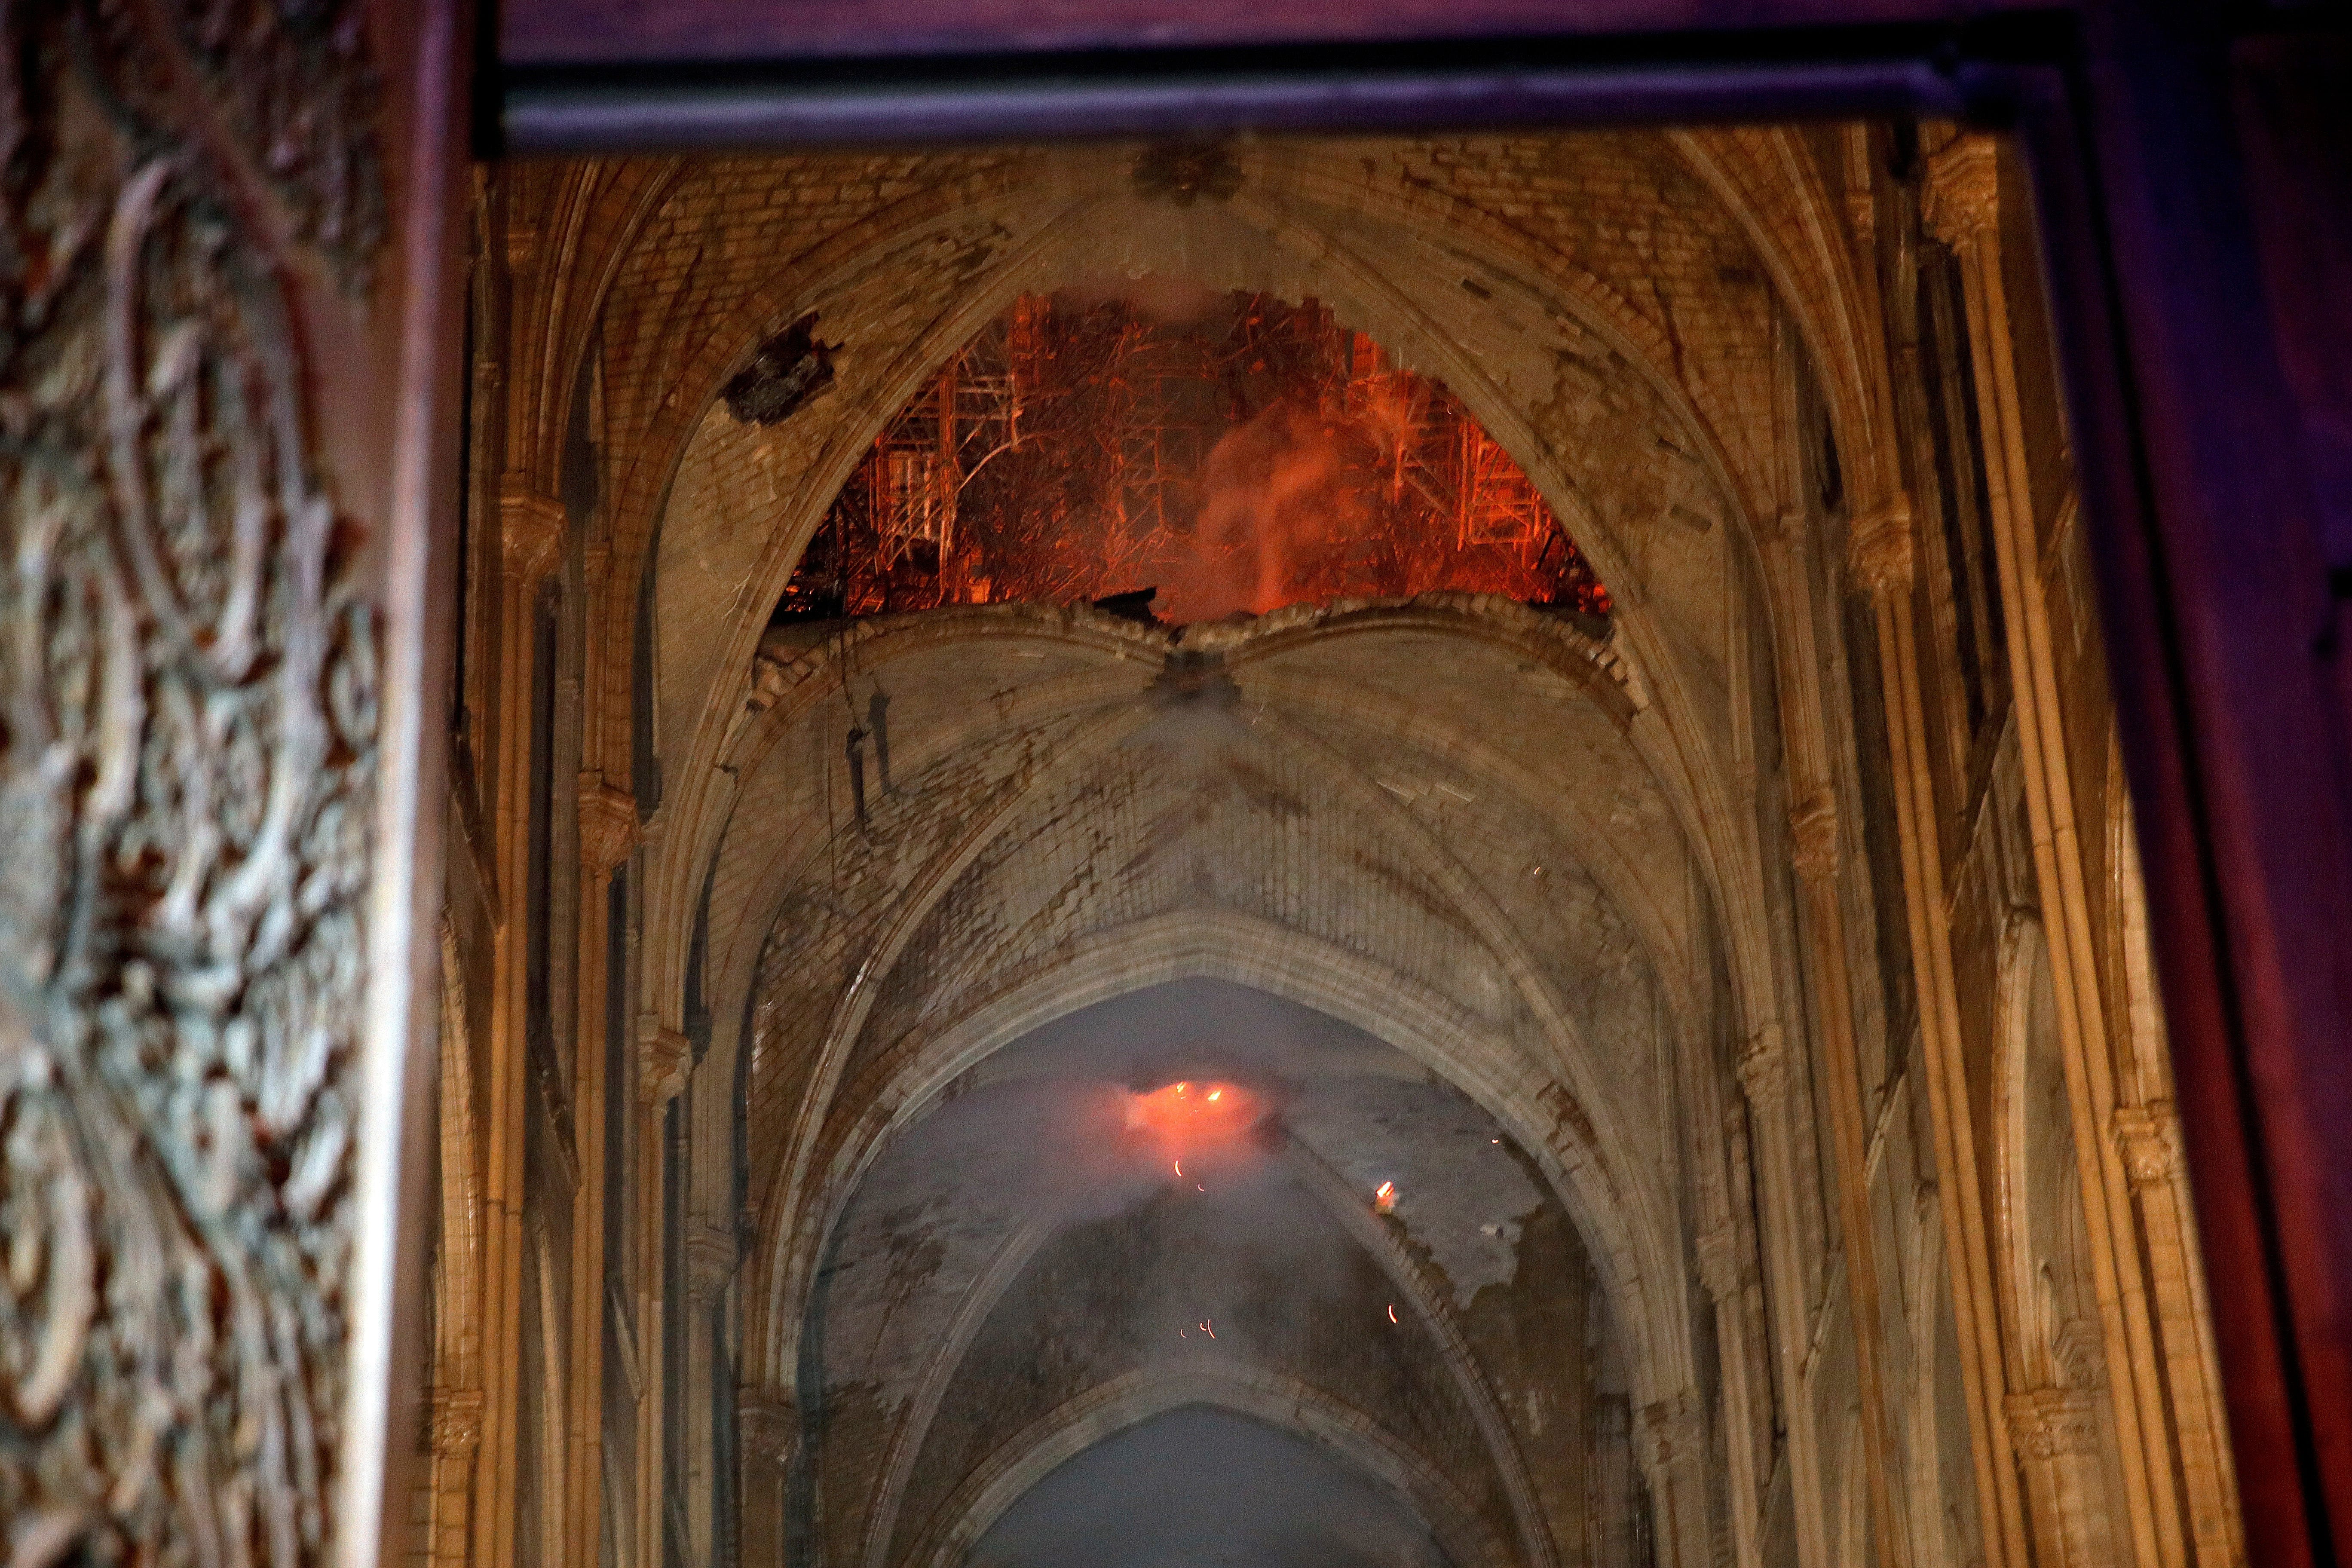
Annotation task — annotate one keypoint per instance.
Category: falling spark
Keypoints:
(1197, 1187)
(1216, 1094)
(1207, 1329)
(1180, 1169)
(1392, 1317)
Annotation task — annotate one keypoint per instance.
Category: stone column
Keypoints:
(1670, 1444)
(1812, 728)
(455, 1437)
(2056, 1434)
(1815, 851)
(710, 1266)
(608, 830)
(1963, 207)
(530, 538)
(1723, 1270)
(768, 1435)
(2148, 1138)
(1763, 1069)
(661, 1056)
(1882, 559)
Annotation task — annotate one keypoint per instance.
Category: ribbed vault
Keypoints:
(1666, 1143)
(1515, 850)
(1509, 853)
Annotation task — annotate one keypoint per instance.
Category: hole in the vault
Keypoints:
(1172, 454)
(1197, 1128)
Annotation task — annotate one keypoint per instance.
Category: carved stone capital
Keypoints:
(1813, 836)
(1879, 548)
(1667, 1430)
(531, 532)
(2149, 1139)
(1963, 195)
(456, 1423)
(662, 1056)
(768, 1426)
(1763, 1066)
(1721, 1267)
(709, 1261)
(1862, 216)
(608, 824)
(2047, 1422)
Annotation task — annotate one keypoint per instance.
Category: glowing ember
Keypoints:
(1384, 1197)
(1392, 1317)
(1239, 456)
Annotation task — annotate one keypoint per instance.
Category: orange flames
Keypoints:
(1188, 1114)
(1195, 1124)
(1237, 455)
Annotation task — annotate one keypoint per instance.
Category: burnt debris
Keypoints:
(786, 373)
(1135, 604)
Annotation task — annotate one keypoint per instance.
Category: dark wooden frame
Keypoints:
(2221, 617)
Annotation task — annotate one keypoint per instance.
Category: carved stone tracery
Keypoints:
(188, 673)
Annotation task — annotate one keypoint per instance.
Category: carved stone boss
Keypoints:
(188, 730)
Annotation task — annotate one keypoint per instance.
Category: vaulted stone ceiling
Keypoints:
(1022, 1265)
(1667, 1135)
(1421, 825)
(1478, 897)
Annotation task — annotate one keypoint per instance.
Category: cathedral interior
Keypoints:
(1295, 853)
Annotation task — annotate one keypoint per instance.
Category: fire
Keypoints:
(1195, 1125)
(1250, 454)
(1186, 1114)
(1384, 1197)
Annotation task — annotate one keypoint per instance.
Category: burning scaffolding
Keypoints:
(1237, 454)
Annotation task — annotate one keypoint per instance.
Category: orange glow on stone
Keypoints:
(1188, 1114)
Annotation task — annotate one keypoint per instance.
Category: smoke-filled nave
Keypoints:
(1374, 854)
